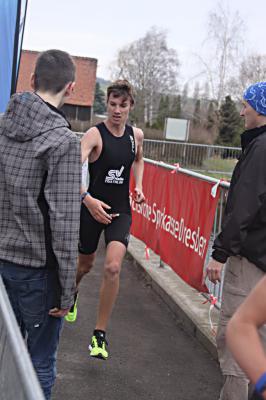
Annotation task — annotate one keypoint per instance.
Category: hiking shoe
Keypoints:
(72, 313)
(98, 346)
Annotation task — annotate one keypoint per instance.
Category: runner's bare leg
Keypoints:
(85, 264)
(115, 253)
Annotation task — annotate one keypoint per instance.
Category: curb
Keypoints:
(185, 303)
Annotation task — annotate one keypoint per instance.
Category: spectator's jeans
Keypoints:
(32, 293)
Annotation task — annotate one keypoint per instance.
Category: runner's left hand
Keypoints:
(138, 195)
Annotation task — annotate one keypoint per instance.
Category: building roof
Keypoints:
(85, 77)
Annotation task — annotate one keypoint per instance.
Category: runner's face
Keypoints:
(250, 116)
(118, 109)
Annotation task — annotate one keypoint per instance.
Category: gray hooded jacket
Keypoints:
(40, 178)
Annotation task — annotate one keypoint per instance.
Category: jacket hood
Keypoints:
(28, 116)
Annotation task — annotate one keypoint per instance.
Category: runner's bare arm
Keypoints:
(89, 142)
(242, 333)
(138, 166)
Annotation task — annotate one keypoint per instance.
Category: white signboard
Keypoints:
(176, 129)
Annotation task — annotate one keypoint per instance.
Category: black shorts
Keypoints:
(90, 231)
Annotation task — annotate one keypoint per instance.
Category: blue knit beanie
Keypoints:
(255, 95)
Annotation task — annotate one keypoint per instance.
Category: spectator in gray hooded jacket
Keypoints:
(40, 179)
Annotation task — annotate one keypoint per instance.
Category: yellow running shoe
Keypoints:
(72, 313)
(98, 346)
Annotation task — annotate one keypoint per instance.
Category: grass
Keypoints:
(220, 164)
(219, 168)
(215, 167)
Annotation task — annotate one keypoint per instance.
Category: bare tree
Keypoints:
(225, 39)
(152, 68)
(196, 92)
(252, 69)
(206, 91)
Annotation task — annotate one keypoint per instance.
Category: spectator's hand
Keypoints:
(58, 313)
(213, 271)
(138, 195)
(97, 209)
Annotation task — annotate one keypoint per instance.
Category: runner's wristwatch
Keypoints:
(83, 195)
(260, 385)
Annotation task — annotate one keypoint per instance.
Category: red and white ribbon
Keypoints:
(213, 300)
(177, 166)
(147, 253)
(214, 189)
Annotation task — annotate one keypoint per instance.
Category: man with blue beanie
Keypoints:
(241, 244)
(255, 95)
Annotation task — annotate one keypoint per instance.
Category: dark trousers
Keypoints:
(32, 293)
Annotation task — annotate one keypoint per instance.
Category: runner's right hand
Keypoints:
(96, 208)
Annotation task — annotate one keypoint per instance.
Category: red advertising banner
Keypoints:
(176, 220)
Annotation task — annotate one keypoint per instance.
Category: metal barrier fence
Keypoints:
(215, 289)
(18, 380)
(218, 161)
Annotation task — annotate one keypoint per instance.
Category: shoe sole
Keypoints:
(72, 317)
(71, 320)
(99, 356)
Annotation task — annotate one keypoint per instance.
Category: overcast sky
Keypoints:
(99, 29)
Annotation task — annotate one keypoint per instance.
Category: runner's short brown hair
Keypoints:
(121, 88)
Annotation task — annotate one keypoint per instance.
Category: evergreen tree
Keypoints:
(163, 112)
(230, 124)
(196, 92)
(196, 119)
(176, 109)
(185, 94)
(167, 106)
(211, 117)
(206, 91)
(160, 114)
(99, 100)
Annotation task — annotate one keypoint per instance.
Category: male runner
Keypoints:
(111, 148)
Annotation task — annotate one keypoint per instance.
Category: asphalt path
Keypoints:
(151, 357)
